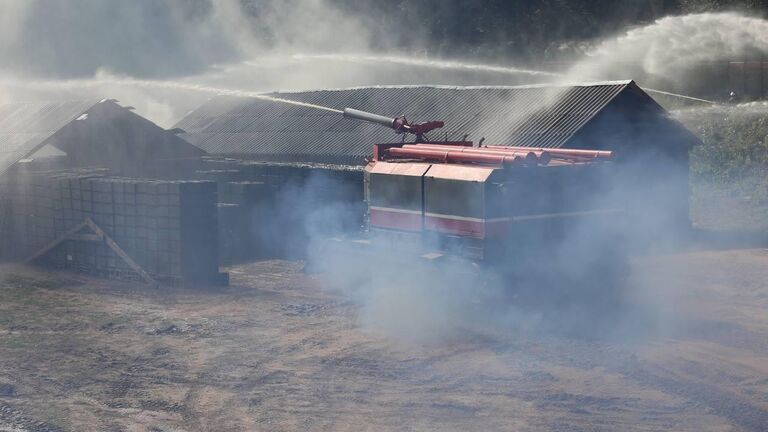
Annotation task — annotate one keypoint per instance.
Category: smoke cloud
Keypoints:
(669, 51)
(92, 49)
(165, 58)
(569, 278)
(140, 38)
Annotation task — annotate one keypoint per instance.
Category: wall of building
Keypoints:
(271, 210)
(169, 228)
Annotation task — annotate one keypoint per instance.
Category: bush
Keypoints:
(734, 150)
(729, 169)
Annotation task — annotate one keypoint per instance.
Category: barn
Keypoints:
(300, 148)
(243, 178)
(92, 186)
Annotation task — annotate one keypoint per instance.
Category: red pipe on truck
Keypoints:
(530, 157)
(592, 154)
(456, 156)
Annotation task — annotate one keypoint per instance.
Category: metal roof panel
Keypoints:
(532, 116)
(25, 127)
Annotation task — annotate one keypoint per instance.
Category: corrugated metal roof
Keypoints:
(91, 130)
(25, 127)
(533, 116)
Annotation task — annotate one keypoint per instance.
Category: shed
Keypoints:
(615, 115)
(92, 186)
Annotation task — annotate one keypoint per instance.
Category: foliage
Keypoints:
(733, 153)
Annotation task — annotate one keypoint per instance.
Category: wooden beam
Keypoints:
(50, 246)
(121, 253)
(85, 237)
(97, 236)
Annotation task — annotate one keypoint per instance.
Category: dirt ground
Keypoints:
(276, 351)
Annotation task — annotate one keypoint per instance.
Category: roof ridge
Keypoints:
(90, 101)
(564, 84)
(512, 115)
(66, 112)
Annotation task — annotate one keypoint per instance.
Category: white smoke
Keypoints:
(110, 49)
(297, 45)
(97, 49)
(165, 58)
(670, 49)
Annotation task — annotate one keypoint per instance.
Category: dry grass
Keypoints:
(275, 352)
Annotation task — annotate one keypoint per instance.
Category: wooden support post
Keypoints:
(50, 246)
(121, 253)
(98, 236)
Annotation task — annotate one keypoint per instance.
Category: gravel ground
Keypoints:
(278, 351)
